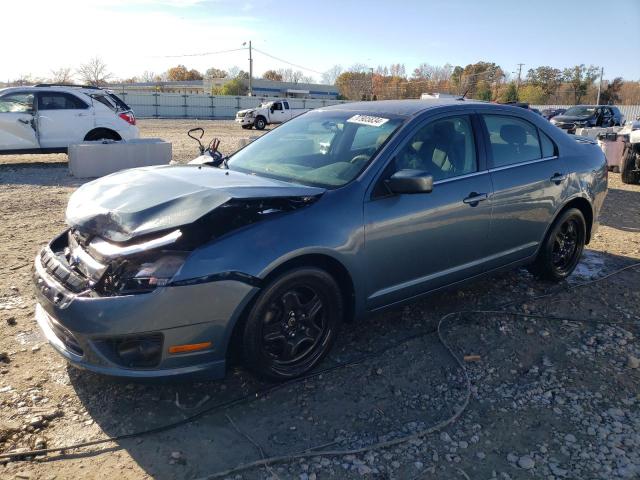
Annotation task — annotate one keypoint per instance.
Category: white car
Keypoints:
(47, 118)
(268, 113)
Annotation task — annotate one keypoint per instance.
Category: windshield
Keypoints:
(326, 148)
(580, 111)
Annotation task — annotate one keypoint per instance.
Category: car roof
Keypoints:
(57, 88)
(400, 107)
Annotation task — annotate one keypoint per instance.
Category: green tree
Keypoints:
(233, 87)
(509, 94)
(579, 78)
(532, 94)
(547, 78)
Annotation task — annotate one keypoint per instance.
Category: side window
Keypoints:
(16, 103)
(277, 106)
(512, 140)
(59, 101)
(443, 148)
(548, 147)
(286, 105)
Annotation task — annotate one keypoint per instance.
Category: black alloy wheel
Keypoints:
(293, 324)
(562, 248)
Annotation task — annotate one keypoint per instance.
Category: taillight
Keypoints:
(128, 117)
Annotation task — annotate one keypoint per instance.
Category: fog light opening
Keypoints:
(139, 352)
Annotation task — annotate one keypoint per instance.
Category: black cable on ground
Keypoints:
(311, 452)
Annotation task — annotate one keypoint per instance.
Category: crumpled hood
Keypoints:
(144, 200)
(243, 112)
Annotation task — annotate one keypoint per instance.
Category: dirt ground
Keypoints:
(549, 398)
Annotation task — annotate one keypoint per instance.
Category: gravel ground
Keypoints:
(550, 399)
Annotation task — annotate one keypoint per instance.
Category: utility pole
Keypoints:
(371, 97)
(600, 85)
(250, 69)
(518, 84)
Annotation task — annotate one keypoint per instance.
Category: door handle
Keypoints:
(26, 122)
(558, 178)
(474, 198)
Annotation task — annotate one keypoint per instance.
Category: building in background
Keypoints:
(261, 88)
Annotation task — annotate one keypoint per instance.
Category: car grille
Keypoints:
(62, 272)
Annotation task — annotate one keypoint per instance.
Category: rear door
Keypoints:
(529, 183)
(17, 122)
(419, 242)
(63, 119)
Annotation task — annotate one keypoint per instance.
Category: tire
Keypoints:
(562, 247)
(102, 134)
(629, 163)
(260, 123)
(293, 324)
(247, 127)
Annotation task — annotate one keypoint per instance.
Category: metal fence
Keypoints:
(630, 112)
(176, 105)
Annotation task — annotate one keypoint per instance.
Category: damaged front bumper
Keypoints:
(132, 335)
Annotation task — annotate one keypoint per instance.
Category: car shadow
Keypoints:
(613, 215)
(410, 381)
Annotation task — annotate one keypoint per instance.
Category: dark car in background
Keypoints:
(549, 113)
(585, 116)
(340, 212)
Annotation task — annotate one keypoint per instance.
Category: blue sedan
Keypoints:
(343, 211)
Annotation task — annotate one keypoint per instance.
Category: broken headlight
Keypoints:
(132, 277)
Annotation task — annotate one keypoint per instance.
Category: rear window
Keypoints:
(104, 100)
(121, 105)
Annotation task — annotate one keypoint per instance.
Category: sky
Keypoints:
(133, 36)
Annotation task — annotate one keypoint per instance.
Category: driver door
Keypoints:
(419, 242)
(277, 113)
(17, 123)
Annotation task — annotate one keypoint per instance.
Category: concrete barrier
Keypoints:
(95, 159)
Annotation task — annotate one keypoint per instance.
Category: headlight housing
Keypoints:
(142, 276)
(249, 115)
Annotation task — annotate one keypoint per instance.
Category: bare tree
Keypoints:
(289, 75)
(62, 75)
(329, 77)
(94, 72)
(149, 76)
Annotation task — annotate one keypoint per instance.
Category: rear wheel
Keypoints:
(630, 164)
(561, 250)
(293, 324)
(102, 134)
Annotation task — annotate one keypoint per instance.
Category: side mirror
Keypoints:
(410, 181)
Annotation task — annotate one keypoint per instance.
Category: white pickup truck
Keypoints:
(278, 111)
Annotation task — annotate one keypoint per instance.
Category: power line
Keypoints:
(200, 54)
(287, 62)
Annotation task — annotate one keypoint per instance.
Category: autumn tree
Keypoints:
(272, 75)
(545, 77)
(611, 94)
(94, 72)
(180, 73)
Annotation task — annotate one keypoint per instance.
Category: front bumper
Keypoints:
(245, 120)
(82, 328)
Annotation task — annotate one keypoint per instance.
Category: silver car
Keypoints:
(343, 211)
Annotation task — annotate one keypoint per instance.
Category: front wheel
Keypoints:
(293, 324)
(260, 123)
(561, 250)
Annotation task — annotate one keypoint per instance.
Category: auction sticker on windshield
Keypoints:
(368, 120)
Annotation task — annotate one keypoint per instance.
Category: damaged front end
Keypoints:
(85, 264)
